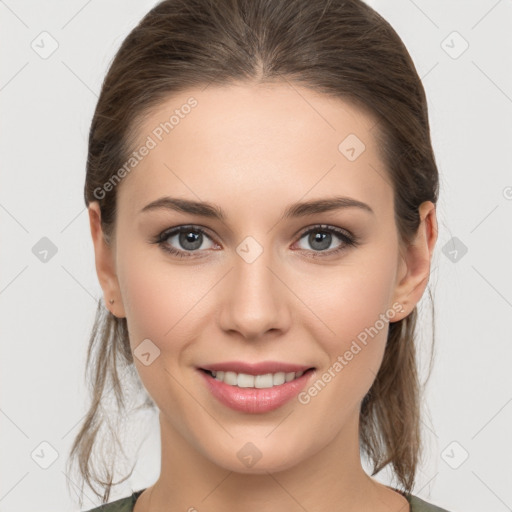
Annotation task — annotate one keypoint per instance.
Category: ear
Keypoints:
(415, 262)
(105, 263)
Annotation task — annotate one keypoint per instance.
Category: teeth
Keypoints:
(243, 380)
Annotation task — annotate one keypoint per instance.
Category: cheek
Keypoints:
(352, 313)
(351, 298)
(143, 300)
(166, 304)
(156, 302)
(154, 295)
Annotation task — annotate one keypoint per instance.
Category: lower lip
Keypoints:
(255, 400)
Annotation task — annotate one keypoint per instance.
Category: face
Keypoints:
(316, 288)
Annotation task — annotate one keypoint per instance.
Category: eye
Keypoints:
(188, 238)
(320, 238)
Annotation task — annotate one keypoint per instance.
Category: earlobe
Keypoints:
(105, 263)
(416, 260)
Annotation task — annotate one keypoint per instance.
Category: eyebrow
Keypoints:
(212, 211)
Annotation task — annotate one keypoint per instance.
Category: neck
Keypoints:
(329, 479)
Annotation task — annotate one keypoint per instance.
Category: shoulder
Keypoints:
(120, 505)
(419, 505)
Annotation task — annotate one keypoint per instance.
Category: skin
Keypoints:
(253, 150)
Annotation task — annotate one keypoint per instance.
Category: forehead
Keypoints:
(255, 141)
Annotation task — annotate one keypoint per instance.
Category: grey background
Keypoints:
(47, 307)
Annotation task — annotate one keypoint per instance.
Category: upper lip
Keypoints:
(256, 368)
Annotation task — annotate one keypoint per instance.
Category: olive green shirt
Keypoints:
(127, 504)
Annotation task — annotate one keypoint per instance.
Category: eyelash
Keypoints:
(348, 239)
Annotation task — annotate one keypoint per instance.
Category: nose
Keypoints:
(255, 299)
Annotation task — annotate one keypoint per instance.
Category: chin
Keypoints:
(255, 458)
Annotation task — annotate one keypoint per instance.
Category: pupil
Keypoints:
(190, 240)
(323, 239)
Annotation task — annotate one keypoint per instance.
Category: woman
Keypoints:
(261, 188)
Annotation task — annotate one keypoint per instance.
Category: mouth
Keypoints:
(266, 388)
(255, 380)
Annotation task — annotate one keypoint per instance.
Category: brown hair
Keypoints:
(341, 48)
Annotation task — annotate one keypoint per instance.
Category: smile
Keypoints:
(258, 393)
(244, 380)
